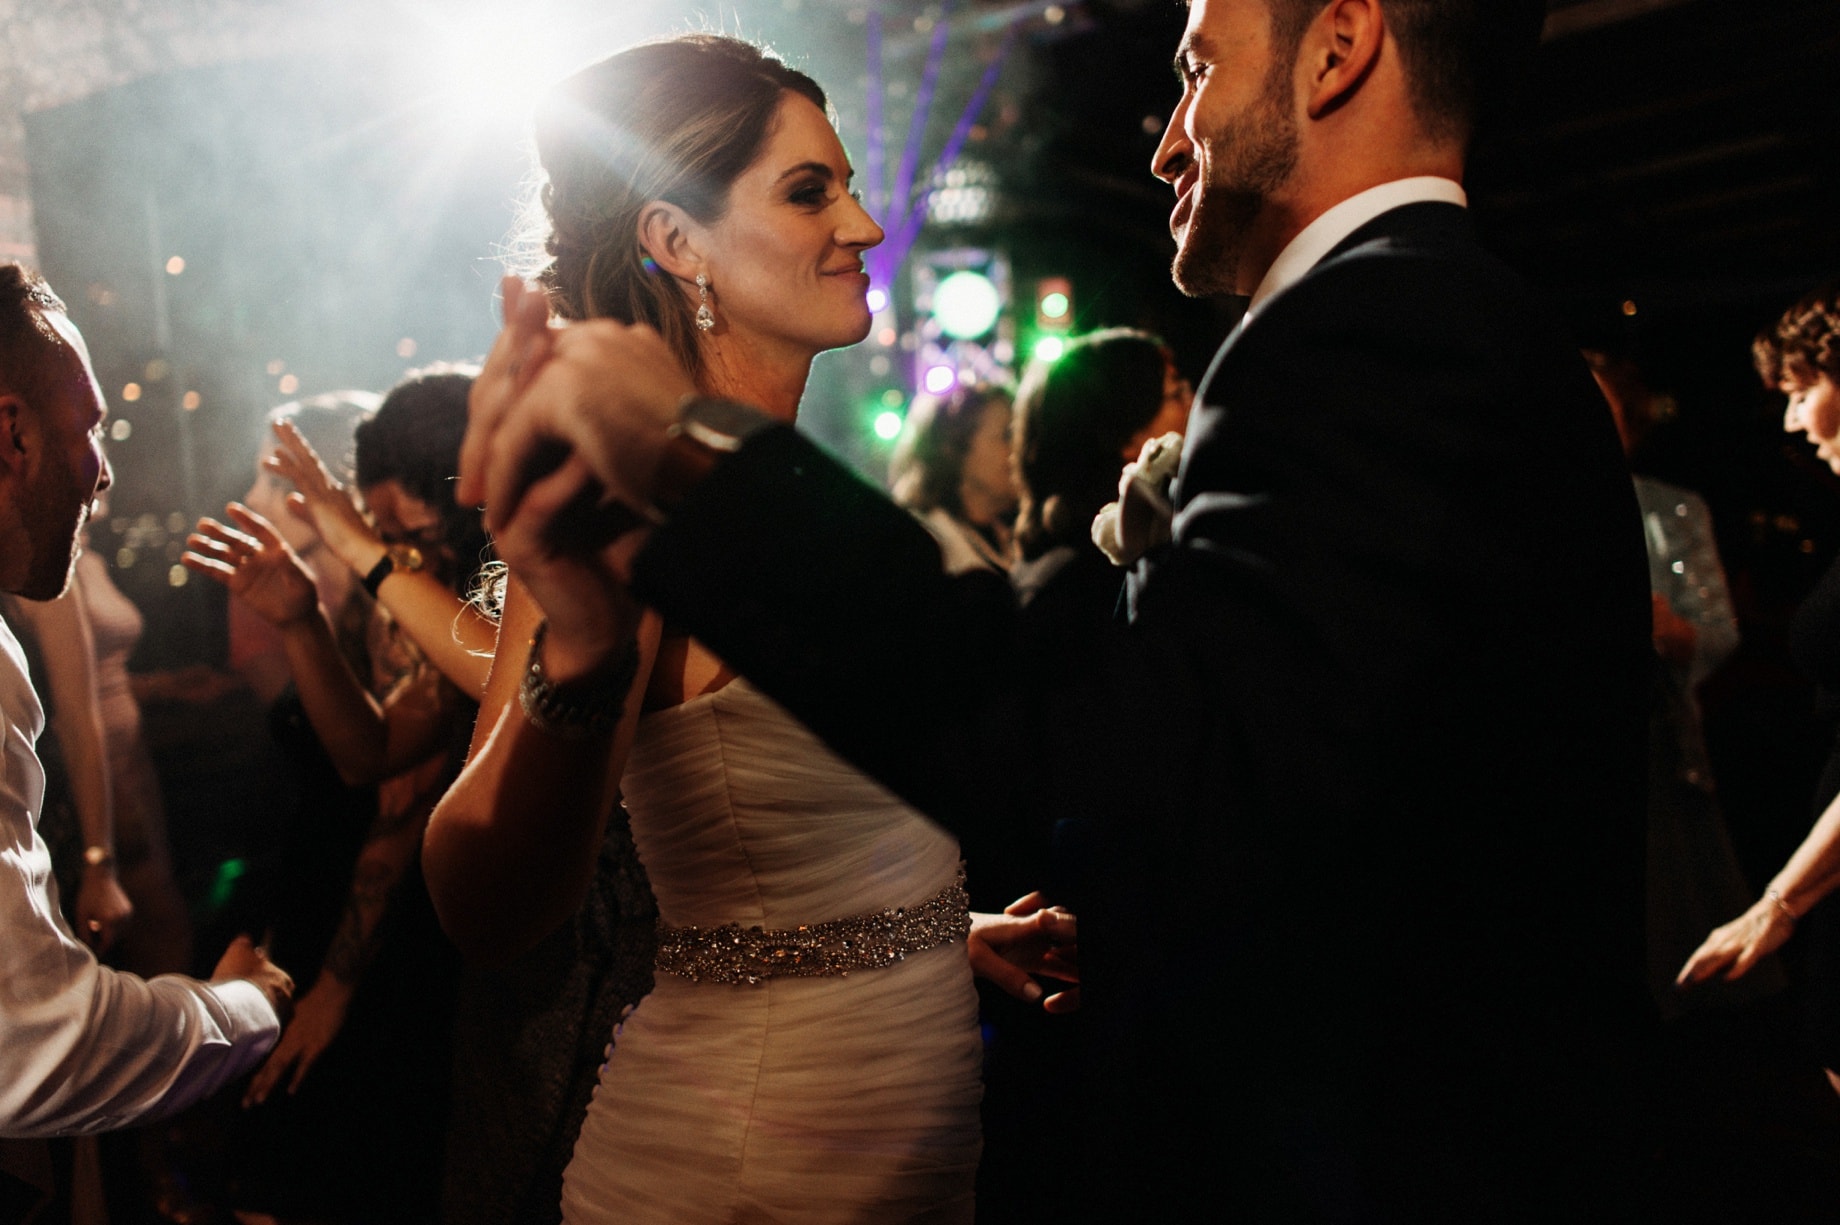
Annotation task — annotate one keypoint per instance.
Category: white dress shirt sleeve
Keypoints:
(84, 1048)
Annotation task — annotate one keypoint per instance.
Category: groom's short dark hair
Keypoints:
(25, 337)
(1463, 56)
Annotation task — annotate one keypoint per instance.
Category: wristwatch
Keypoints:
(96, 856)
(404, 557)
(706, 429)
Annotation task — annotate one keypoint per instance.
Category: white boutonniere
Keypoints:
(1139, 520)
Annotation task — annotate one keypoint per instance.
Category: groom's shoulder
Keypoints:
(1419, 270)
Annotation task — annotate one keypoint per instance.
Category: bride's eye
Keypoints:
(812, 195)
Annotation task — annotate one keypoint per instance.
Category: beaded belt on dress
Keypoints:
(734, 954)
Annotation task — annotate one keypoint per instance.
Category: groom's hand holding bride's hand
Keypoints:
(546, 504)
(1028, 940)
(597, 392)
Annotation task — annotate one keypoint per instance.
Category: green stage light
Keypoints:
(888, 426)
(966, 305)
(1049, 349)
(1055, 306)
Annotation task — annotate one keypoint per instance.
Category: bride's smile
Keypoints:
(784, 260)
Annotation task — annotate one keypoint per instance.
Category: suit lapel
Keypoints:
(1432, 223)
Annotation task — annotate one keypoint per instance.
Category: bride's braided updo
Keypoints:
(677, 120)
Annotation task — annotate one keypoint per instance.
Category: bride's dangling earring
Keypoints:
(705, 318)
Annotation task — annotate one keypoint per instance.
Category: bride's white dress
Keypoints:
(822, 1099)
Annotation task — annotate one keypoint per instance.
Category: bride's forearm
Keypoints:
(510, 850)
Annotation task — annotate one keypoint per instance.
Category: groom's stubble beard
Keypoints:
(1250, 158)
(54, 517)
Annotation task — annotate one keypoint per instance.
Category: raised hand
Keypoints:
(520, 350)
(553, 546)
(603, 391)
(256, 565)
(321, 502)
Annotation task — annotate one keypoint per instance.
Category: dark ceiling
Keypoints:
(1685, 148)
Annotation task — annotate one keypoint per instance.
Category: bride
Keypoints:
(810, 1052)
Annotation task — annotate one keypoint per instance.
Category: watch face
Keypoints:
(720, 425)
(405, 557)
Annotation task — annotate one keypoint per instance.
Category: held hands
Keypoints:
(255, 564)
(599, 392)
(1730, 951)
(317, 1020)
(321, 502)
(551, 431)
(1028, 940)
(247, 960)
(103, 908)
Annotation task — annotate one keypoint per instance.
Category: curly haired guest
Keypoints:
(1800, 356)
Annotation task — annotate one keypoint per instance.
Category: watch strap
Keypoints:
(386, 565)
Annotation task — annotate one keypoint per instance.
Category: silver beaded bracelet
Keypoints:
(576, 710)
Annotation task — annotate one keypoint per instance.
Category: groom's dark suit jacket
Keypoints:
(1353, 801)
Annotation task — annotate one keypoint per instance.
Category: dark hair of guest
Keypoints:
(1074, 417)
(414, 439)
(677, 120)
(927, 469)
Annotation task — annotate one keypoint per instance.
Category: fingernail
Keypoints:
(1032, 993)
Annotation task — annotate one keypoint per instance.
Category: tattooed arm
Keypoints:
(403, 804)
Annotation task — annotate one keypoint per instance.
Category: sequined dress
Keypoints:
(792, 1099)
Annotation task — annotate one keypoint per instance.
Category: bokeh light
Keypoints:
(966, 305)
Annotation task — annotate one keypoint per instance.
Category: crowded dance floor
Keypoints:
(919, 611)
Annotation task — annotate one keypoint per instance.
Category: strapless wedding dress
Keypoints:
(824, 1099)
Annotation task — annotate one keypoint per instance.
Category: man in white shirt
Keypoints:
(83, 1048)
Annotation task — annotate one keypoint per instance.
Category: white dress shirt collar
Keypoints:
(1320, 237)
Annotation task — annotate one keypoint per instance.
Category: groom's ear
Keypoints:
(1339, 51)
(671, 237)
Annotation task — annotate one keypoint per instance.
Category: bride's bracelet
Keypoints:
(575, 710)
(1775, 896)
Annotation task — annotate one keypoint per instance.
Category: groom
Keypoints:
(1358, 789)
